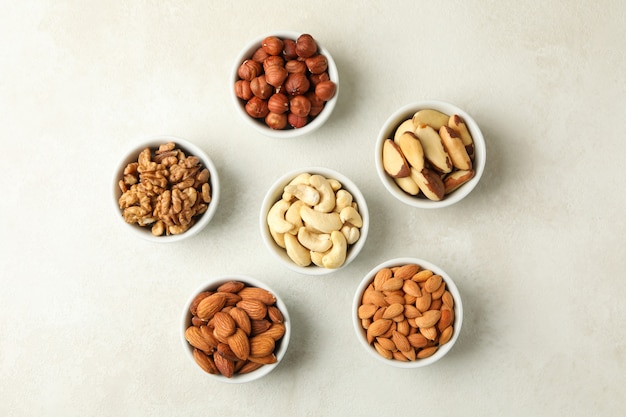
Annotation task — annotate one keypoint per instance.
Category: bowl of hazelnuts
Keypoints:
(285, 84)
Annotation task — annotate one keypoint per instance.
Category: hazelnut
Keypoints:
(273, 45)
(248, 70)
(300, 106)
(325, 90)
(242, 89)
(305, 46)
(278, 103)
(315, 79)
(296, 83)
(317, 104)
(289, 49)
(296, 121)
(261, 88)
(317, 64)
(276, 75)
(257, 108)
(259, 55)
(273, 60)
(276, 121)
(295, 66)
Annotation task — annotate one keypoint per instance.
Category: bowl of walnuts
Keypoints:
(165, 189)
(284, 84)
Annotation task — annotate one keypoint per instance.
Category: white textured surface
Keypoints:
(90, 314)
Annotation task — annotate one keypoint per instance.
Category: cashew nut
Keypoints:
(325, 190)
(303, 192)
(337, 254)
(322, 222)
(279, 238)
(316, 258)
(351, 233)
(293, 216)
(335, 184)
(300, 255)
(319, 242)
(344, 199)
(350, 215)
(276, 217)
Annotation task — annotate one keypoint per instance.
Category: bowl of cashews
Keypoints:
(314, 220)
(430, 154)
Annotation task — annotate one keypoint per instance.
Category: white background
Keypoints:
(90, 314)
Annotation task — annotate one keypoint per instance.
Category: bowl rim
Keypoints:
(271, 197)
(404, 113)
(131, 154)
(458, 312)
(213, 283)
(317, 122)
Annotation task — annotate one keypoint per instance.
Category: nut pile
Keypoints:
(431, 152)
(407, 312)
(235, 329)
(285, 82)
(166, 190)
(315, 221)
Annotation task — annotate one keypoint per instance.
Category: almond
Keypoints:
(195, 339)
(386, 343)
(381, 276)
(261, 345)
(276, 331)
(433, 283)
(231, 286)
(422, 275)
(207, 333)
(378, 328)
(393, 310)
(411, 312)
(193, 308)
(239, 344)
(446, 335)
(396, 297)
(260, 294)
(417, 340)
(242, 319)
(447, 299)
(259, 326)
(406, 271)
(274, 314)
(225, 366)
(374, 297)
(447, 318)
(205, 362)
(224, 349)
(248, 367)
(392, 284)
(385, 353)
(423, 303)
(366, 311)
(210, 305)
(412, 288)
(255, 309)
(429, 318)
(264, 360)
(409, 354)
(426, 352)
(231, 298)
(403, 327)
(400, 340)
(429, 333)
(224, 325)
(438, 293)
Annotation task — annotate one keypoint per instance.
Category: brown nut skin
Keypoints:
(305, 46)
(273, 45)
(261, 88)
(277, 121)
(289, 49)
(325, 90)
(272, 60)
(300, 105)
(242, 90)
(296, 83)
(276, 75)
(317, 104)
(296, 121)
(278, 103)
(316, 64)
(259, 55)
(249, 69)
(315, 79)
(257, 108)
(295, 66)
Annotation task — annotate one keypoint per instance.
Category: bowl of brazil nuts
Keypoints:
(314, 220)
(235, 329)
(284, 84)
(165, 189)
(430, 154)
(407, 312)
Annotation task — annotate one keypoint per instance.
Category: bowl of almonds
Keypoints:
(284, 84)
(235, 329)
(430, 154)
(166, 189)
(407, 313)
(314, 220)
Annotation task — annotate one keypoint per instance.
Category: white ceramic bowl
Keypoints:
(406, 112)
(458, 313)
(259, 124)
(281, 345)
(131, 155)
(275, 193)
